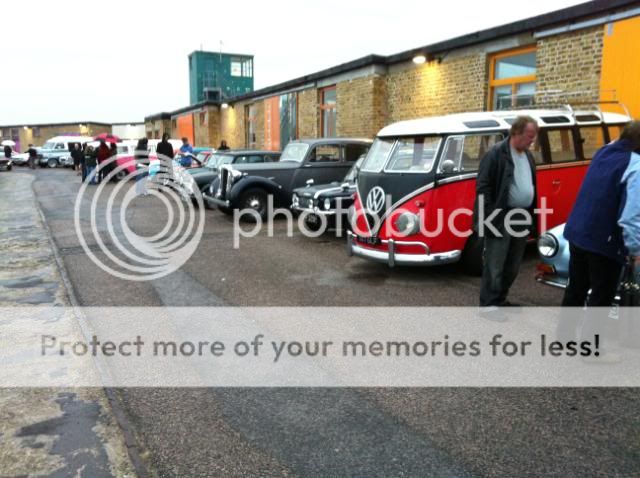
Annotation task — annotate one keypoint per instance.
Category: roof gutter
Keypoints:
(588, 23)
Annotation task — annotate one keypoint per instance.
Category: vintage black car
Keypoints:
(327, 200)
(245, 186)
(200, 178)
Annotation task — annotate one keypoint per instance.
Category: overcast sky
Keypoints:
(120, 61)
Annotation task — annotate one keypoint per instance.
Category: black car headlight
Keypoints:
(407, 224)
(295, 201)
(547, 245)
(327, 204)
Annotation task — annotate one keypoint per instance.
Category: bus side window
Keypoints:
(452, 154)
(561, 146)
(592, 140)
(615, 131)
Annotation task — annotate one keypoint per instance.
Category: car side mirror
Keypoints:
(309, 182)
(448, 166)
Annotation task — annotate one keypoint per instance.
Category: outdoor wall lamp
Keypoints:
(224, 106)
(419, 59)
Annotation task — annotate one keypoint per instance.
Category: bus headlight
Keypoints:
(547, 245)
(407, 224)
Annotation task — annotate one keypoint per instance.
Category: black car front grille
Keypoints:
(222, 185)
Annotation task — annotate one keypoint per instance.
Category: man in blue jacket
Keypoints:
(604, 225)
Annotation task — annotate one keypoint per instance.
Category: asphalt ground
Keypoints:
(339, 432)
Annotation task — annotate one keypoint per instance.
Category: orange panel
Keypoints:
(621, 64)
(272, 123)
(185, 127)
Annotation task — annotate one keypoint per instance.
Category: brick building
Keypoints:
(585, 51)
(38, 134)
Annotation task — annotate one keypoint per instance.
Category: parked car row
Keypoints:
(417, 176)
(242, 186)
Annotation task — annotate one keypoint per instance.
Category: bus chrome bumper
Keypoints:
(392, 258)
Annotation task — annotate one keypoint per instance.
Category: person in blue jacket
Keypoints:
(186, 151)
(604, 226)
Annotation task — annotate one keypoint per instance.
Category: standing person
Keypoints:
(90, 162)
(164, 147)
(112, 163)
(33, 156)
(506, 182)
(604, 225)
(141, 155)
(186, 151)
(223, 146)
(102, 155)
(76, 154)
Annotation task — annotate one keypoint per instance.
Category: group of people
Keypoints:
(94, 163)
(603, 228)
(87, 159)
(31, 151)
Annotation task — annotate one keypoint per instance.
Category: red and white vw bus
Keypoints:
(417, 186)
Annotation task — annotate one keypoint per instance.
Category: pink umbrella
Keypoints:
(107, 137)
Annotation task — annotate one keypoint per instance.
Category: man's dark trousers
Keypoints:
(591, 271)
(502, 259)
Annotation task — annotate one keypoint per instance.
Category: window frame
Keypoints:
(314, 147)
(436, 154)
(514, 81)
(328, 107)
(451, 137)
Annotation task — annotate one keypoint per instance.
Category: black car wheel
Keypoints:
(255, 199)
(52, 163)
(121, 175)
(312, 222)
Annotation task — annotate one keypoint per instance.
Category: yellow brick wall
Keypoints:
(308, 109)
(571, 62)
(232, 126)
(456, 85)
(155, 129)
(361, 106)
(27, 136)
(208, 132)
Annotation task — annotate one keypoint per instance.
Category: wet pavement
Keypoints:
(47, 432)
(340, 432)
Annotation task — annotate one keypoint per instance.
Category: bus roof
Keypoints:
(498, 120)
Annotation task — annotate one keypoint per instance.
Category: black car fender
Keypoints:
(251, 182)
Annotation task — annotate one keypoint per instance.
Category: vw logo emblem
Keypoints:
(375, 200)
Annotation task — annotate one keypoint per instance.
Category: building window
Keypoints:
(250, 126)
(247, 68)
(513, 78)
(236, 67)
(288, 118)
(328, 112)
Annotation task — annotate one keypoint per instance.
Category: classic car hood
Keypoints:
(204, 175)
(264, 168)
(203, 170)
(328, 190)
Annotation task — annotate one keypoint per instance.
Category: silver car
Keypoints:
(553, 248)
